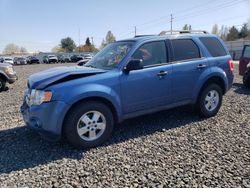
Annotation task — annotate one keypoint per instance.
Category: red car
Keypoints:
(244, 66)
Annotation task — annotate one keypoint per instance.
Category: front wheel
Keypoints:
(209, 101)
(246, 78)
(88, 124)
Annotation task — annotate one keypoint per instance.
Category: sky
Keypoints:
(39, 25)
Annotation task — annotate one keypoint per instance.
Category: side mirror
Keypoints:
(133, 64)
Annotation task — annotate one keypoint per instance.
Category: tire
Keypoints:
(207, 106)
(2, 84)
(81, 119)
(246, 78)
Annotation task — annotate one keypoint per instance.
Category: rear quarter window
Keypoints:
(214, 46)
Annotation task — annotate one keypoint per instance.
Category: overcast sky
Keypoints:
(38, 25)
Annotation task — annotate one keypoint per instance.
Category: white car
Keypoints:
(87, 56)
(50, 59)
(7, 60)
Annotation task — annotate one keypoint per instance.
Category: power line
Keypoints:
(208, 10)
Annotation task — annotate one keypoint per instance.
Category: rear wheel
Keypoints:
(209, 101)
(2, 84)
(246, 78)
(88, 124)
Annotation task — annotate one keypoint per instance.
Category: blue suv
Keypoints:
(126, 79)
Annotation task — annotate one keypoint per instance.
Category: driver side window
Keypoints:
(153, 53)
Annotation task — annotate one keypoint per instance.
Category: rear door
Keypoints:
(188, 65)
(245, 59)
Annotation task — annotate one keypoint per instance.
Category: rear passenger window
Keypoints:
(185, 49)
(214, 46)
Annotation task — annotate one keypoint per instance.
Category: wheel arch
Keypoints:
(213, 80)
(102, 100)
(3, 76)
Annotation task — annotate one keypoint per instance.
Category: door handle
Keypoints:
(162, 73)
(201, 66)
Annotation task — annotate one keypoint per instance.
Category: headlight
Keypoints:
(37, 97)
(9, 70)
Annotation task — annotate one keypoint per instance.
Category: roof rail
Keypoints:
(137, 36)
(182, 32)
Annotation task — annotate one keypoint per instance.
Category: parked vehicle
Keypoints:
(87, 56)
(20, 61)
(7, 60)
(76, 58)
(32, 60)
(50, 59)
(7, 75)
(244, 65)
(64, 59)
(126, 79)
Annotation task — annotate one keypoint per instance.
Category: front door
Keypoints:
(149, 87)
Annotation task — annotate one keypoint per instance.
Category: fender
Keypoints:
(206, 75)
(92, 90)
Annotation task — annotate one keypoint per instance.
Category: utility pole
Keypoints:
(135, 30)
(79, 36)
(171, 21)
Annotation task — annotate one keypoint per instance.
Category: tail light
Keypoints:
(231, 66)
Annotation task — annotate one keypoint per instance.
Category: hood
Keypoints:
(57, 75)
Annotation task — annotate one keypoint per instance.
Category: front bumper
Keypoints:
(46, 119)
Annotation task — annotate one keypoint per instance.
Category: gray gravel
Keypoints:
(174, 148)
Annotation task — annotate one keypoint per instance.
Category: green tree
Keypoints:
(68, 44)
(187, 27)
(215, 29)
(88, 43)
(108, 39)
(233, 34)
(244, 31)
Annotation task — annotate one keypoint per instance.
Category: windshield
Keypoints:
(110, 56)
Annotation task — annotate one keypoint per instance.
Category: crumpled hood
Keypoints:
(52, 76)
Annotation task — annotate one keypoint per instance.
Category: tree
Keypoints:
(108, 39)
(223, 32)
(233, 34)
(57, 49)
(23, 50)
(11, 49)
(68, 44)
(244, 31)
(187, 27)
(87, 42)
(215, 29)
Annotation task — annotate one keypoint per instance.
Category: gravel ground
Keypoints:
(174, 148)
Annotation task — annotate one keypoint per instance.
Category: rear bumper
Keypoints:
(12, 79)
(46, 119)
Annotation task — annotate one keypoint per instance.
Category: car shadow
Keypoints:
(241, 89)
(22, 148)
